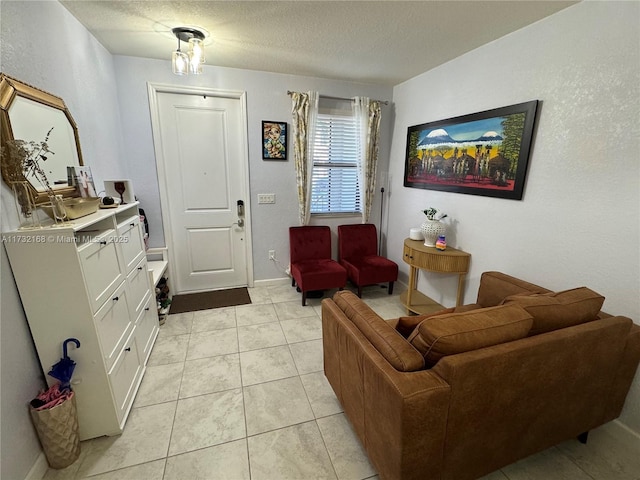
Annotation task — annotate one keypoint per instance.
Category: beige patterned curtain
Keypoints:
(368, 113)
(304, 111)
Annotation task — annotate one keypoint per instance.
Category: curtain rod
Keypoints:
(384, 102)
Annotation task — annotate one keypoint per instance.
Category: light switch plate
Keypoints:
(266, 198)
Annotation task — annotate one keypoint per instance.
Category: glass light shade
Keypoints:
(196, 49)
(180, 63)
(195, 67)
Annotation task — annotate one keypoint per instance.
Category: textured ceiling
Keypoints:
(383, 42)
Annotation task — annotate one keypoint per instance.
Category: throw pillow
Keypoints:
(551, 311)
(406, 325)
(454, 333)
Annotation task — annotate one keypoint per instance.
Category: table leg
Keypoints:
(411, 288)
(460, 289)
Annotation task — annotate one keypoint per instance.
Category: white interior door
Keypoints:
(200, 143)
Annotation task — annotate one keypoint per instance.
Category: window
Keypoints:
(334, 180)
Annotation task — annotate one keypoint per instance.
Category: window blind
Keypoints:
(334, 181)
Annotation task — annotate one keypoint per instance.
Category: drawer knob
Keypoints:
(146, 309)
(128, 349)
(139, 268)
(103, 242)
(115, 299)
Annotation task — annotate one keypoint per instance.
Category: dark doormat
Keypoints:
(191, 302)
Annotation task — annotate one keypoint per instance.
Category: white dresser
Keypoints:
(89, 280)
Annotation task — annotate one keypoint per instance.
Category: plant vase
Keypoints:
(58, 209)
(432, 229)
(25, 205)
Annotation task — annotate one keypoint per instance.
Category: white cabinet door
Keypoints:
(147, 328)
(101, 269)
(125, 374)
(113, 323)
(131, 241)
(138, 288)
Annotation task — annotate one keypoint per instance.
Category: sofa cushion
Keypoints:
(453, 333)
(551, 311)
(496, 286)
(395, 349)
(406, 325)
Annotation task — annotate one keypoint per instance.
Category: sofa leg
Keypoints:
(359, 291)
(390, 288)
(304, 299)
(582, 438)
(293, 282)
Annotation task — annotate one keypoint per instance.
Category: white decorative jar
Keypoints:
(432, 229)
(416, 234)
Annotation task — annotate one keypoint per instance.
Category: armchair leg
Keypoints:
(390, 288)
(304, 299)
(582, 438)
(359, 291)
(293, 282)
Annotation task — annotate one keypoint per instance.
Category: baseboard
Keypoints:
(39, 469)
(621, 431)
(272, 282)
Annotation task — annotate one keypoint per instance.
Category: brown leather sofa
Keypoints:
(461, 394)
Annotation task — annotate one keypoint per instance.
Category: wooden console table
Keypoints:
(419, 256)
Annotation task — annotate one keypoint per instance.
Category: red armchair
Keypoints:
(310, 257)
(358, 253)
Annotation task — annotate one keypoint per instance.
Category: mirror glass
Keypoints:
(28, 114)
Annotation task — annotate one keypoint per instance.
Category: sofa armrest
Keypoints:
(407, 419)
(399, 417)
(625, 374)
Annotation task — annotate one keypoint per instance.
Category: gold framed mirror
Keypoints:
(28, 113)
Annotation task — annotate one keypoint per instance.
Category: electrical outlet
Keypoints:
(272, 254)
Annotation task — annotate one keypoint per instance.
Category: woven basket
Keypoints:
(57, 429)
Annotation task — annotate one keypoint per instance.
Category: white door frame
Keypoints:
(153, 90)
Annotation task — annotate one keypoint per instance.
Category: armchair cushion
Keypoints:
(551, 311)
(453, 333)
(370, 270)
(318, 274)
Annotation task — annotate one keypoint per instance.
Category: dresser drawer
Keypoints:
(138, 288)
(131, 242)
(407, 255)
(102, 272)
(436, 261)
(113, 322)
(125, 374)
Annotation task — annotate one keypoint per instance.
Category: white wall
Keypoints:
(267, 99)
(45, 46)
(579, 220)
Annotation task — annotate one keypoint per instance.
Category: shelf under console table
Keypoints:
(419, 256)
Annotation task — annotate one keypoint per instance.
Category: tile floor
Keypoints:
(239, 393)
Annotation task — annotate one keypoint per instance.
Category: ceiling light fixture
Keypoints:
(182, 63)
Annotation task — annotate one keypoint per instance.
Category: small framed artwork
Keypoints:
(274, 140)
(81, 178)
(483, 153)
